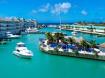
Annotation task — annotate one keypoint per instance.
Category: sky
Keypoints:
(53, 10)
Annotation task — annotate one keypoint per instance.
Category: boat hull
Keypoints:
(22, 56)
(13, 37)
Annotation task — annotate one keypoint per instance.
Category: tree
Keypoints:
(93, 43)
(85, 44)
(71, 40)
(58, 36)
(61, 36)
(49, 37)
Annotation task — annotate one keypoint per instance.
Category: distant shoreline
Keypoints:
(96, 24)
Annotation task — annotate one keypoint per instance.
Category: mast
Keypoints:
(60, 17)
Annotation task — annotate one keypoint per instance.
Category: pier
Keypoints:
(85, 31)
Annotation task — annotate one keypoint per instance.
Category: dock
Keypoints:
(73, 54)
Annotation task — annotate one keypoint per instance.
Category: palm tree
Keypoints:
(61, 36)
(58, 36)
(85, 44)
(71, 40)
(93, 43)
(49, 37)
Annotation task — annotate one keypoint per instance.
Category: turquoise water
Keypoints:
(85, 36)
(44, 65)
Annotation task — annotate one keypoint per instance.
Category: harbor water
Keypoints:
(48, 66)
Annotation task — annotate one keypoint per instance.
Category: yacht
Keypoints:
(10, 35)
(22, 51)
(32, 30)
(74, 33)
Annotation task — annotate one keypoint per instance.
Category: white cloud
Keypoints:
(61, 7)
(55, 9)
(45, 8)
(65, 7)
(83, 12)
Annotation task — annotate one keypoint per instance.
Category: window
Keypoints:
(18, 50)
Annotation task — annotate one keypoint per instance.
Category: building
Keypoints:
(102, 47)
(15, 25)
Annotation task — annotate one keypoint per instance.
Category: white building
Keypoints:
(14, 25)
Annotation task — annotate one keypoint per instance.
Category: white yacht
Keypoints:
(22, 51)
(10, 35)
(74, 33)
(31, 30)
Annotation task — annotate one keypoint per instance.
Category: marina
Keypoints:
(97, 30)
(52, 39)
(59, 44)
(52, 65)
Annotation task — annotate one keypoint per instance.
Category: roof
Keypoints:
(102, 45)
(96, 49)
(79, 39)
(20, 43)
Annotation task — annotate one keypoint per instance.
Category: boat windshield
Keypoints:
(21, 45)
(18, 50)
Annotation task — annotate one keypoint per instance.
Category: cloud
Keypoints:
(65, 7)
(54, 9)
(45, 8)
(83, 12)
(61, 7)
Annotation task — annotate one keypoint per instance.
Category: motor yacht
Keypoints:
(10, 35)
(22, 51)
(32, 30)
(74, 33)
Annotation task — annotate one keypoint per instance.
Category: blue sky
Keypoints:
(49, 10)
